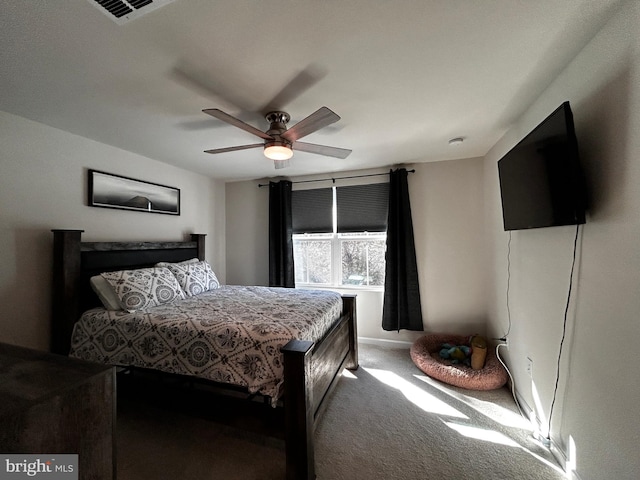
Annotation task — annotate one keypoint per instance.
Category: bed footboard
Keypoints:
(311, 371)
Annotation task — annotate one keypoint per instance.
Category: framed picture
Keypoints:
(114, 191)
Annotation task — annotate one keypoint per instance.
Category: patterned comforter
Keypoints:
(232, 334)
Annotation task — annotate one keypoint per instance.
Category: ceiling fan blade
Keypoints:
(233, 149)
(304, 80)
(321, 149)
(225, 117)
(317, 120)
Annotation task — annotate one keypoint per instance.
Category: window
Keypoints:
(362, 259)
(312, 258)
(349, 250)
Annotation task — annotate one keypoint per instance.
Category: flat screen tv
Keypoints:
(541, 182)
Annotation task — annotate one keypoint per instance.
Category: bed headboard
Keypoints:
(75, 262)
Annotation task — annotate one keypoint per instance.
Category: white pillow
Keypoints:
(194, 278)
(144, 288)
(105, 293)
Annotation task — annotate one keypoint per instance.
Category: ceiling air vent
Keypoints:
(123, 11)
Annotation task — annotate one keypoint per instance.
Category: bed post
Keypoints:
(307, 365)
(349, 308)
(299, 415)
(66, 277)
(199, 239)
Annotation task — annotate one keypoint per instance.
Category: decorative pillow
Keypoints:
(194, 278)
(144, 288)
(105, 293)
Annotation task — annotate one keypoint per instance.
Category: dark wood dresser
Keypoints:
(55, 404)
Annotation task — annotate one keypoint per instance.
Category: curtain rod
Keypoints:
(337, 178)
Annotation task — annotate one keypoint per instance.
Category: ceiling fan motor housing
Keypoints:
(277, 126)
(277, 142)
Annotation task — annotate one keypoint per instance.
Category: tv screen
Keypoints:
(541, 183)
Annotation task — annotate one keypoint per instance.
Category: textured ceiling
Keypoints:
(405, 76)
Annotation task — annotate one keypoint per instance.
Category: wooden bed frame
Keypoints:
(311, 370)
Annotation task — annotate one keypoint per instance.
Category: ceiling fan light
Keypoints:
(278, 152)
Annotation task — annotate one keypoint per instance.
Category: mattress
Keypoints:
(232, 334)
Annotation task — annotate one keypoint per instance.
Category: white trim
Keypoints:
(535, 423)
(384, 343)
(575, 476)
(558, 453)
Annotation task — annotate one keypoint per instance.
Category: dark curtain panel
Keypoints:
(402, 309)
(281, 272)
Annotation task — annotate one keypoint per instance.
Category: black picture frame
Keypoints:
(107, 190)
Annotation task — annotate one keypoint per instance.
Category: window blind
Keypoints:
(362, 208)
(312, 210)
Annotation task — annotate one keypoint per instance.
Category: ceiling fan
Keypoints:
(280, 141)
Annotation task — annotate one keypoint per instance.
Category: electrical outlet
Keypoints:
(530, 367)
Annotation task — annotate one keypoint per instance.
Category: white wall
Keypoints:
(247, 233)
(598, 388)
(43, 185)
(447, 207)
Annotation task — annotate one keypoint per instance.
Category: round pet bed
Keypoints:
(424, 353)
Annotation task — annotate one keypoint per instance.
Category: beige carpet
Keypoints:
(387, 420)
